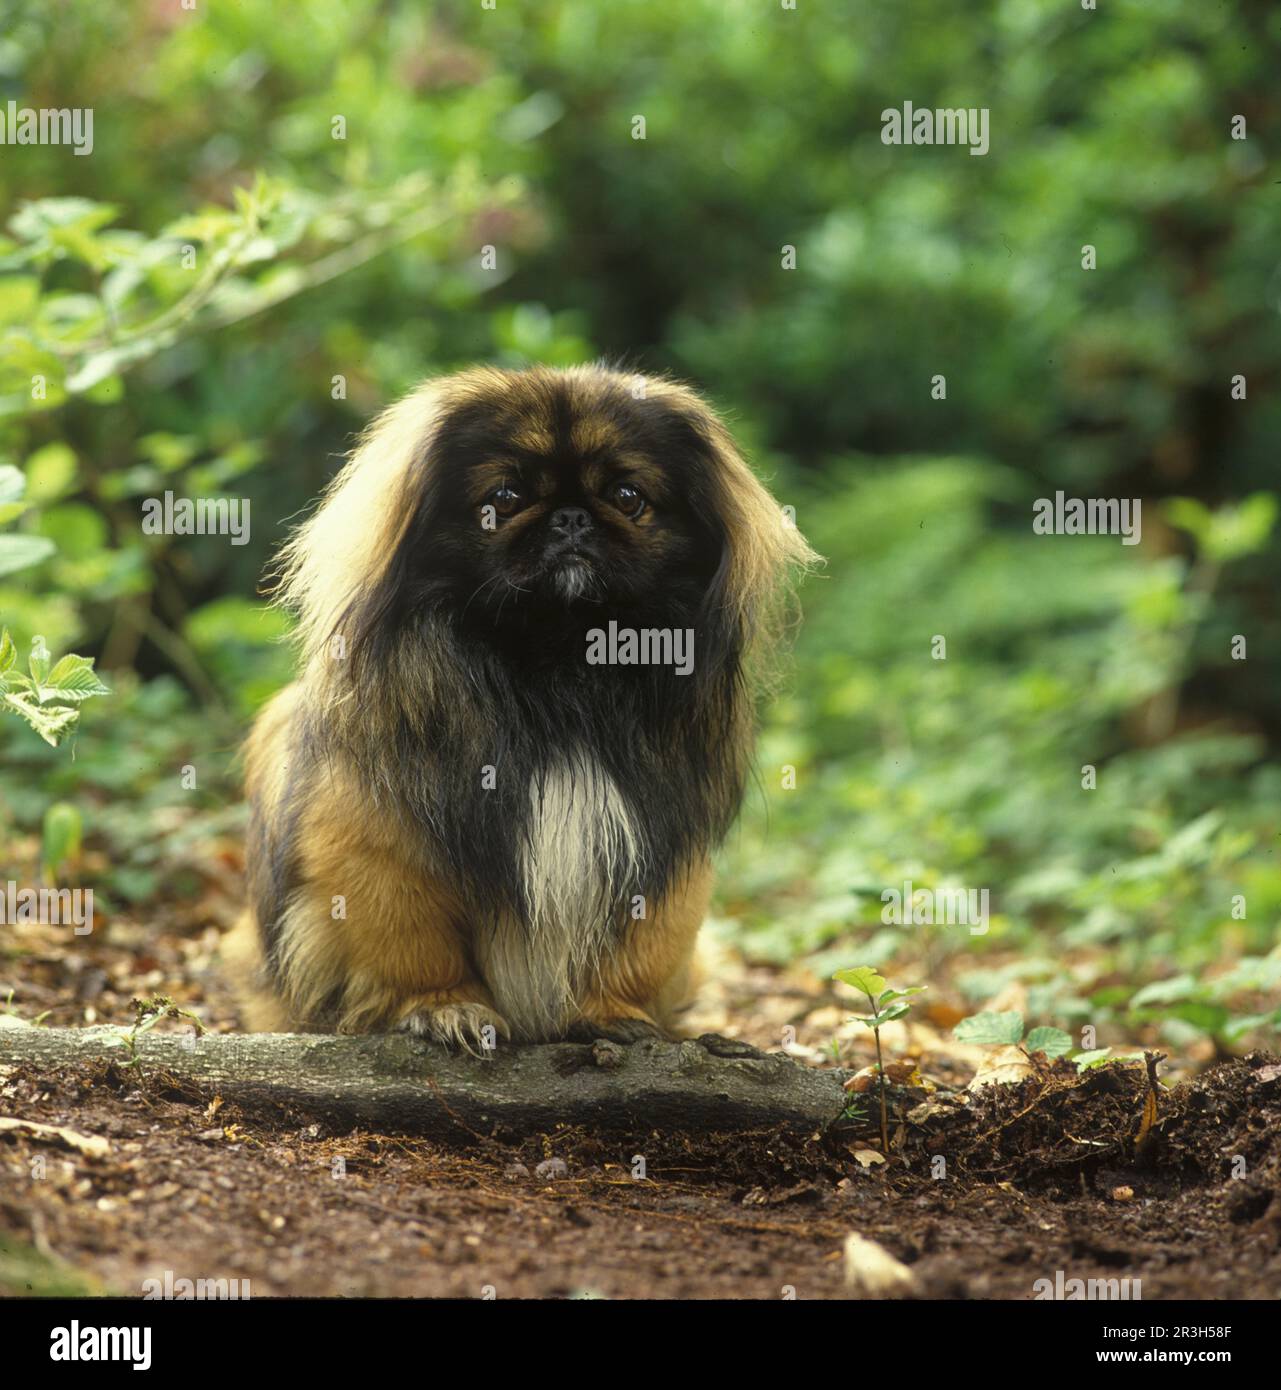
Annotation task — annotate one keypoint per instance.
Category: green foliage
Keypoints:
(18, 552)
(887, 1004)
(1006, 1029)
(49, 694)
(1230, 532)
(1061, 652)
(991, 1029)
(63, 832)
(1206, 1005)
(204, 270)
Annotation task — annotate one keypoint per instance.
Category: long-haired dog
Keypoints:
(532, 613)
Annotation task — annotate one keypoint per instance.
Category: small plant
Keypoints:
(1006, 1030)
(887, 1004)
(149, 1012)
(49, 695)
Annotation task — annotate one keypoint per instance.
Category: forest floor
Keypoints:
(985, 1193)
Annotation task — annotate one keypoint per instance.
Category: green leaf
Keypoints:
(51, 722)
(19, 296)
(20, 552)
(1231, 531)
(862, 977)
(1209, 1018)
(35, 220)
(12, 483)
(100, 366)
(73, 679)
(38, 661)
(1173, 990)
(51, 473)
(891, 994)
(62, 832)
(8, 652)
(1085, 1060)
(1189, 515)
(1054, 1042)
(990, 1029)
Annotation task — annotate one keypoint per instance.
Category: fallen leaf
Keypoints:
(942, 1015)
(872, 1272)
(1004, 1067)
(91, 1145)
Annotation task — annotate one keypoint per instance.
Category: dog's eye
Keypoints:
(627, 499)
(507, 500)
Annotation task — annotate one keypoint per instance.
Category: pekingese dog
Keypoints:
(532, 612)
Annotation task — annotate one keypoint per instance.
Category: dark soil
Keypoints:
(1047, 1175)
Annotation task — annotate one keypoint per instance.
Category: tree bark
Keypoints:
(401, 1084)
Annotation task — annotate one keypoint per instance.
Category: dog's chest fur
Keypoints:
(580, 845)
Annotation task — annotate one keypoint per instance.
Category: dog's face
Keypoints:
(525, 508)
(567, 494)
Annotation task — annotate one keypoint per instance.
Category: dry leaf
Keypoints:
(91, 1145)
(872, 1272)
(944, 1016)
(1003, 1067)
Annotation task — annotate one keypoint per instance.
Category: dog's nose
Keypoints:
(570, 520)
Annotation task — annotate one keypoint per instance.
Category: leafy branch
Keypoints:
(48, 696)
(142, 301)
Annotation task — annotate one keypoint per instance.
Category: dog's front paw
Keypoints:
(474, 1028)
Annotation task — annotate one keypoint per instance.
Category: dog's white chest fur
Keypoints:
(580, 840)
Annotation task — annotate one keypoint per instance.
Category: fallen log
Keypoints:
(396, 1083)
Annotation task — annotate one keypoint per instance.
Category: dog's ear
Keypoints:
(762, 552)
(342, 551)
